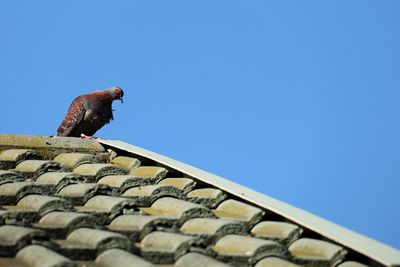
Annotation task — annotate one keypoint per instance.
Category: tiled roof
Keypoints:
(74, 202)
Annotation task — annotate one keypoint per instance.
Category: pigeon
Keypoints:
(89, 112)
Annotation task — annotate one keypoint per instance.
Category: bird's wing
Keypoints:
(74, 116)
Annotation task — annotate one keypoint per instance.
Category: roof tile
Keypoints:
(10, 193)
(244, 250)
(211, 229)
(120, 258)
(193, 259)
(10, 176)
(120, 183)
(11, 157)
(233, 209)
(58, 224)
(351, 264)
(275, 262)
(279, 231)
(162, 247)
(313, 251)
(98, 170)
(38, 256)
(78, 194)
(34, 168)
(209, 197)
(13, 238)
(41, 204)
(92, 242)
(107, 207)
(138, 226)
(184, 184)
(180, 209)
(150, 172)
(145, 195)
(60, 179)
(69, 161)
(126, 163)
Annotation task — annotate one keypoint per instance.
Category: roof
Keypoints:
(74, 202)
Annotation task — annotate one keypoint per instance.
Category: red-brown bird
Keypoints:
(89, 112)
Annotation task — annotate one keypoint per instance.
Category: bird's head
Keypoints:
(116, 93)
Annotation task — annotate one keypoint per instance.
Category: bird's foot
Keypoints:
(84, 136)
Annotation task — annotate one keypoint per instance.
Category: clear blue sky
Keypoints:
(296, 99)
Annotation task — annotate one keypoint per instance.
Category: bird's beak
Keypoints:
(122, 101)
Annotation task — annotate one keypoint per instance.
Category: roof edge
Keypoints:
(376, 250)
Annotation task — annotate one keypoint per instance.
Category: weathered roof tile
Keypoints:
(92, 242)
(351, 264)
(69, 161)
(162, 247)
(233, 209)
(11, 157)
(180, 209)
(193, 259)
(275, 262)
(10, 193)
(209, 197)
(78, 194)
(107, 207)
(211, 229)
(138, 226)
(120, 258)
(58, 224)
(39, 256)
(244, 250)
(13, 238)
(279, 231)
(60, 179)
(10, 176)
(147, 194)
(40, 204)
(34, 168)
(316, 252)
(184, 184)
(150, 172)
(98, 170)
(126, 163)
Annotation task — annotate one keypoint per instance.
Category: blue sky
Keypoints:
(296, 99)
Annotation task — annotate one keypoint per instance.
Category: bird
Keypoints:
(90, 112)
